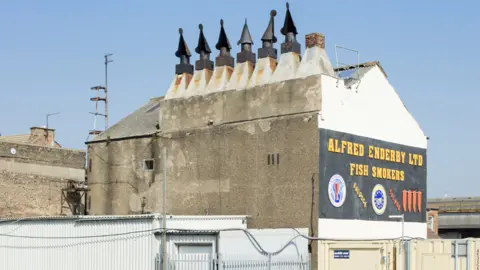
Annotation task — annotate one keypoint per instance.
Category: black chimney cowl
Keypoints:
(184, 54)
(204, 50)
(246, 43)
(223, 45)
(289, 30)
(268, 39)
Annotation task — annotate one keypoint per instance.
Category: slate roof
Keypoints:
(22, 138)
(141, 122)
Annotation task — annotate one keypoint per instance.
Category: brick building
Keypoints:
(34, 169)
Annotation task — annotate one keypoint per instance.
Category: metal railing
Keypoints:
(237, 262)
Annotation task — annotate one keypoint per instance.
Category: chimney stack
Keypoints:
(267, 56)
(42, 136)
(203, 67)
(290, 49)
(183, 71)
(315, 60)
(245, 61)
(223, 63)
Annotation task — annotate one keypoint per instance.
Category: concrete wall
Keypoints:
(31, 178)
(272, 100)
(220, 170)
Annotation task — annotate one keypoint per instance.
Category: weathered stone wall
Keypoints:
(31, 179)
(253, 152)
(272, 100)
(26, 153)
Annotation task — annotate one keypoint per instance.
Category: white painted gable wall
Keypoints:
(373, 110)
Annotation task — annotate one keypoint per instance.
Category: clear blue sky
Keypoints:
(51, 52)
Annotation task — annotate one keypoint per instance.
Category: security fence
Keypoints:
(237, 262)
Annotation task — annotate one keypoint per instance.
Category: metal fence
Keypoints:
(231, 262)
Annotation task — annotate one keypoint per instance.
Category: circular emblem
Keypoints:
(379, 200)
(337, 190)
(13, 151)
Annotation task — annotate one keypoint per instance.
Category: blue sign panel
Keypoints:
(341, 254)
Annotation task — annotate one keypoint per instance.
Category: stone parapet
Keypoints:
(271, 100)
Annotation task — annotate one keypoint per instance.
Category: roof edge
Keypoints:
(362, 65)
(42, 146)
(124, 217)
(122, 138)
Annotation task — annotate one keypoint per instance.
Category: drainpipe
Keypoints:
(468, 255)
(164, 218)
(407, 254)
(456, 255)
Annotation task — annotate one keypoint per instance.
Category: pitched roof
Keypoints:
(141, 122)
(21, 138)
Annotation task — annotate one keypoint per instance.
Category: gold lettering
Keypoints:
(398, 157)
(330, 145)
(337, 148)
(403, 157)
(420, 160)
(349, 148)
(387, 155)
(344, 144)
(361, 150)
(358, 169)
(370, 151)
(389, 174)
(382, 154)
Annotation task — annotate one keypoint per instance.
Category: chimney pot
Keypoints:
(315, 39)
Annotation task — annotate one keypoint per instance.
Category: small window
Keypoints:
(431, 223)
(89, 202)
(149, 164)
(90, 165)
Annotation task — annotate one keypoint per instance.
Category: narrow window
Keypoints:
(90, 165)
(278, 158)
(431, 223)
(268, 162)
(89, 202)
(148, 164)
(273, 159)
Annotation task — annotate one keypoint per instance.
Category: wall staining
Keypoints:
(222, 170)
(367, 179)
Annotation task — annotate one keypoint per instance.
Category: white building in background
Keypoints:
(134, 242)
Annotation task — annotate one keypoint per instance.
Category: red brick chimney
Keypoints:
(42, 136)
(315, 39)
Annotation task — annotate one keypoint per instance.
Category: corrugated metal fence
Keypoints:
(223, 262)
(438, 254)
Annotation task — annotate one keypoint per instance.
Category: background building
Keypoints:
(457, 217)
(38, 176)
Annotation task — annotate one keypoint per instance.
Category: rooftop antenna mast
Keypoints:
(101, 97)
(107, 60)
